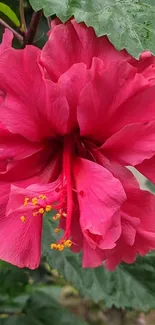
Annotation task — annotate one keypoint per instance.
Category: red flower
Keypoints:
(73, 116)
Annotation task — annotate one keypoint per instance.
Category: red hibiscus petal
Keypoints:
(30, 106)
(131, 145)
(125, 176)
(105, 107)
(101, 197)
(20, 242)
(73, 43)
(70, 85)
(147, 168)
(6, 41)
(138, 237)
(14, 148)
(146, 66)
(91, 258)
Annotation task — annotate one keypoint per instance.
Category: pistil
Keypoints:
(67, 178)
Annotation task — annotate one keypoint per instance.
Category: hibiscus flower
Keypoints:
(73, 116)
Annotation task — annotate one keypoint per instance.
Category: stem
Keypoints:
(22, 16)
(49, 21)
(36, 17)
(16, 34)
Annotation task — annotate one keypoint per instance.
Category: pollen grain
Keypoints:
(60, 247)
(48, 208)
(34, 201)
(22, 218)
(26, 201)
(57, 216)
(42, 196)
(56, 230)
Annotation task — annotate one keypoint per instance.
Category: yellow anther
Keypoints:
(48, 208)
(64, 214)
(41, 211)
(26, 200)
(34, 201)
(59, 247)
(57, 216)
(35, 214)
(53, 246)
(67, 243)
(22, 218)
(42, 196)
(56, 230)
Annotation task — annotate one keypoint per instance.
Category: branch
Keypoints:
(36, 17)
(16, 34)
(49, 21)
(22, 16)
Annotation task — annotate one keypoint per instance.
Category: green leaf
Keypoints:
(131, 286)
(128, 24)
(12, 279)
(42, 309)
(9, 13)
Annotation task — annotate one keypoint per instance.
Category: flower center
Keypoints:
(67, 201)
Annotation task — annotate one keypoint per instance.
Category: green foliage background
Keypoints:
(60, 292)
